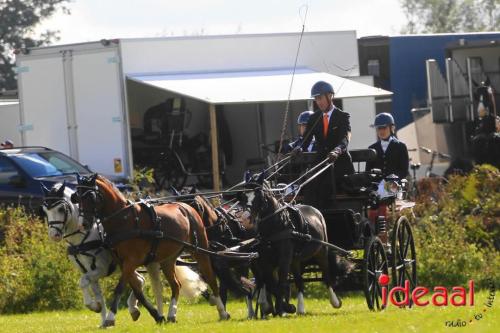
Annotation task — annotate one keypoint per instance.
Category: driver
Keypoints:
(331, 129)
(392, 154)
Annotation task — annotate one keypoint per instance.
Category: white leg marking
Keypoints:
(251, 312)
(223, 315)
(334, 300)
(263, 299)
(172, 310)
(300, 304)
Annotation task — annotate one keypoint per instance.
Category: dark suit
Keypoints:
(393, 161)
(319, 192)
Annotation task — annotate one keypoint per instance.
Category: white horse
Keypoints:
(87, 253)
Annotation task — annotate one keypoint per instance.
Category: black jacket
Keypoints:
(338, 129)
(395, 160)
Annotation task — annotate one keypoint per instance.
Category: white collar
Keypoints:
(329, 113)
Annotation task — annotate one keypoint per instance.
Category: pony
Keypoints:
(140, 234)
(88, 253)
(289, 238)
(224, 231)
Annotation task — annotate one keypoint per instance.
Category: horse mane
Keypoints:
(112, 187)
(200, 202)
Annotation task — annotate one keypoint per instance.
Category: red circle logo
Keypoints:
(384, 279)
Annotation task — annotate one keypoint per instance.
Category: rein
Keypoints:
(156, 235)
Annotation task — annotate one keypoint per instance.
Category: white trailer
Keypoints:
(9, 115)
(84, 99)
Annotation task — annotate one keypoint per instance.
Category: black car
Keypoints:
(23, 170)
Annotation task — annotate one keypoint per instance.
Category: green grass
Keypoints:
(354, 316)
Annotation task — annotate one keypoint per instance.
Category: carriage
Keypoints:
(360, 220)
(367, 225)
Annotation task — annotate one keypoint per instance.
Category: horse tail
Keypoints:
(192, 285)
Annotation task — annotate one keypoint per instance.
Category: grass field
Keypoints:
(354, 316)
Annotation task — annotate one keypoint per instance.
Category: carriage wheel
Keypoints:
(168, 171)
(374, 264)
(404, 260)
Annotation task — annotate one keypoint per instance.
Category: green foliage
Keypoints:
(35, 272)
(18, 18)
(441, 16)
(458, 238)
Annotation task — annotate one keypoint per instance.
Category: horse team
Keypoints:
(103, 230)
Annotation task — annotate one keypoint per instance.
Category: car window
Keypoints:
(47, 164)
(7, 171)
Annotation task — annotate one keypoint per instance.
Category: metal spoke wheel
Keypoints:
(403, 259)
(374, 264)
(168, 172)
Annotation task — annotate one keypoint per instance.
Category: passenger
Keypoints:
(302, 124)
(392, 154)
(331, 130)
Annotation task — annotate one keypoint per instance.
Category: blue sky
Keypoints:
(97, 19)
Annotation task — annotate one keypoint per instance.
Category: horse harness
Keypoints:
(156, 234)
(84, 247)
(299, 230)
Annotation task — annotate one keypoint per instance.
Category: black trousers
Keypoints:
(320, 192)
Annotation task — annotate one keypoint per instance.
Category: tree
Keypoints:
(440, 16)
(18, 20)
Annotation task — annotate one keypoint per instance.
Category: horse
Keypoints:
(224, 230)
(140, 234)
(88, 253)
(288, 235)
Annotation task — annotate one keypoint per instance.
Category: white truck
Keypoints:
(71, 100)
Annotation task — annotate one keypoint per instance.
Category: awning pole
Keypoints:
(215, 147)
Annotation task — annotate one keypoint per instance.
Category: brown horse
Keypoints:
(139, 235)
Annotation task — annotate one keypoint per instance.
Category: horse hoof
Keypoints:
(171, 319)
(337, 304)
(108, 323)
(160, 320)
(225, 316)
(290, 308)
(135, 315)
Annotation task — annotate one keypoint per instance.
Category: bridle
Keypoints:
(93, 215)
(59, 225)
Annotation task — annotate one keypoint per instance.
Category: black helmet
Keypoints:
(304, 117)
(321, 88)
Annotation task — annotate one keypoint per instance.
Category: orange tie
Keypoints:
(325, 125)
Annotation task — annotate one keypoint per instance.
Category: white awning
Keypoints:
(255, 86)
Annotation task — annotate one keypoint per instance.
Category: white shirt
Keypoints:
(329, 113)
(385, 143)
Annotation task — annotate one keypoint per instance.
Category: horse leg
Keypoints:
(96, 288)
(207, 272)
(299, 283)
(168, 268)
(322, 259)
(130, 276)
(156, 284)
(286, 256)
(133, 309)
(117, 294)
(88, 300)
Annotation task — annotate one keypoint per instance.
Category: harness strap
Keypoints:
(156, 227)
